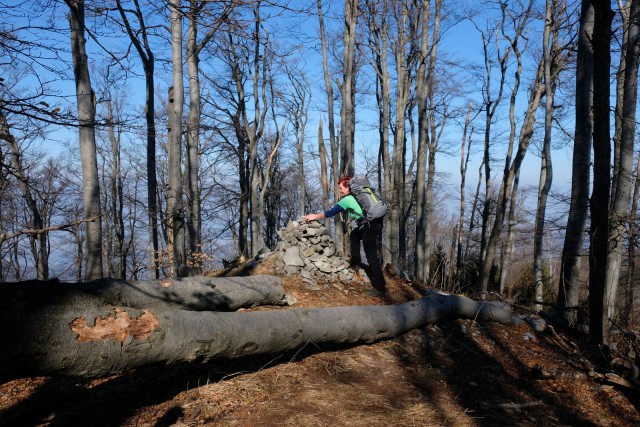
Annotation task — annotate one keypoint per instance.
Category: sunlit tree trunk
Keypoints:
(425, 169)
(376, 18)
(546, 168)
(623, 177)
(86, 118)
(254, 128)
(630, 280)
(192, 146)
(116, 187)
(347, 89)
(397, 165)
(175, 214)
(333, 143)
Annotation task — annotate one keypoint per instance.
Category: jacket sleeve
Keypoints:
(333, 211)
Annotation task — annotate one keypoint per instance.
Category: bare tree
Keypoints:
(623, 161)
(581, 167)
(377, 19)
(427, 144)
(599, 202)
(197, 10)
(333, 141)
(115, 253)
(467, 135)
(86, 118)
(175, 204)
(36, 221)
(555, 59)
(140, 39)
(298, 110)
(512, 163)
(490, 106)
(347, 88)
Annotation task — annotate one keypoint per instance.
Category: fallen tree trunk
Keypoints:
(197, 293)
(94, 339)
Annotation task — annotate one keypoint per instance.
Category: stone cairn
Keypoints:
(305, 249)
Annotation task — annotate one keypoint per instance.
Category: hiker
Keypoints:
(365, 231)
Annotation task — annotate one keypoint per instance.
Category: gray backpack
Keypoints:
(372, 205)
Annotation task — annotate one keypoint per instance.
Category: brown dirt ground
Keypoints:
(455, 373)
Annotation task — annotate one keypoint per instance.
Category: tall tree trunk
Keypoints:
(192, 163)
(347, 89)
(86, 118)
(422, 95)
(464, 162)
(490, 106)
(117, 196)
(376, 18)
(192, 155)
(628, 312)
(568, 289)
(397, 190)
(433, 142)
(623, 165)
(254, 128)
(143, 48)
(599, 206)
(175, 211)
(546, 169)
(333, 143)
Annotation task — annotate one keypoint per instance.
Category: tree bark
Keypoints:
(85, 337)
(143, 48)
(581, 166)
(347, 89)
(377, 20)
(623, 163)
(546, 165)
(86, 119)
(598, 301)
(333, 143)
(175, 214)
(192, 148)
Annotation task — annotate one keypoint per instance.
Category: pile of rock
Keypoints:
(306, 249)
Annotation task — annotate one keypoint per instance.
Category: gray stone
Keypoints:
(292, 257)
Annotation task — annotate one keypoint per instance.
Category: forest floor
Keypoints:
(453, 373)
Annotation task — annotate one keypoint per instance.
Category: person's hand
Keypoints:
(310, 217)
